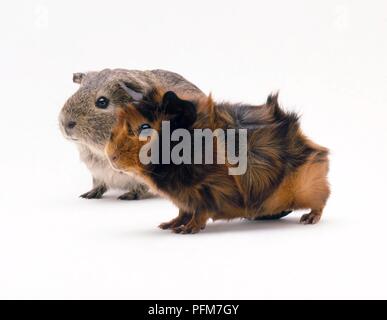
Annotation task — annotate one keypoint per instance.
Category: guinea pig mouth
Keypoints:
(71, 138)
(68, 135)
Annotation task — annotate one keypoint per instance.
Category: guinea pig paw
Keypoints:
(310, 218)
(177, 222)
(95, 193)
(165, 225)
(188, 229)
(131, 195)
(169, 225)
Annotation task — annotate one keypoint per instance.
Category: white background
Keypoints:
(327, 58)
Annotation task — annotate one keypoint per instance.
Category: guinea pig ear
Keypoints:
(182, 112)
(77, 77)
(132, 90)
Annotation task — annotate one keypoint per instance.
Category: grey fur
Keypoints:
(92, 129)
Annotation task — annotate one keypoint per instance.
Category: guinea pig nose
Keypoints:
(114, 158)
(71, 124)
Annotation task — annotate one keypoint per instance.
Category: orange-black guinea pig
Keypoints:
(283, 169)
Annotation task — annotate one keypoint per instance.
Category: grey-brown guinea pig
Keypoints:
(88, 117)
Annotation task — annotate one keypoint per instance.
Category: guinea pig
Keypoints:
(88, 116)
(284, 170)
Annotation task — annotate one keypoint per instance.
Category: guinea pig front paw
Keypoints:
(95, 193)
(190, 228)
(311, 218)
(141, 192)
(131, 195)
(197, 223)
(181, 219)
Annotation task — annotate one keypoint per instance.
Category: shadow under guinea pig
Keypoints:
(236, 226)
(251, 225)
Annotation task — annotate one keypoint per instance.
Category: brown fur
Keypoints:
(285, 171)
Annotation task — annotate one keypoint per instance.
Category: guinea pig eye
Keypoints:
(143, 127)
(102, 103)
